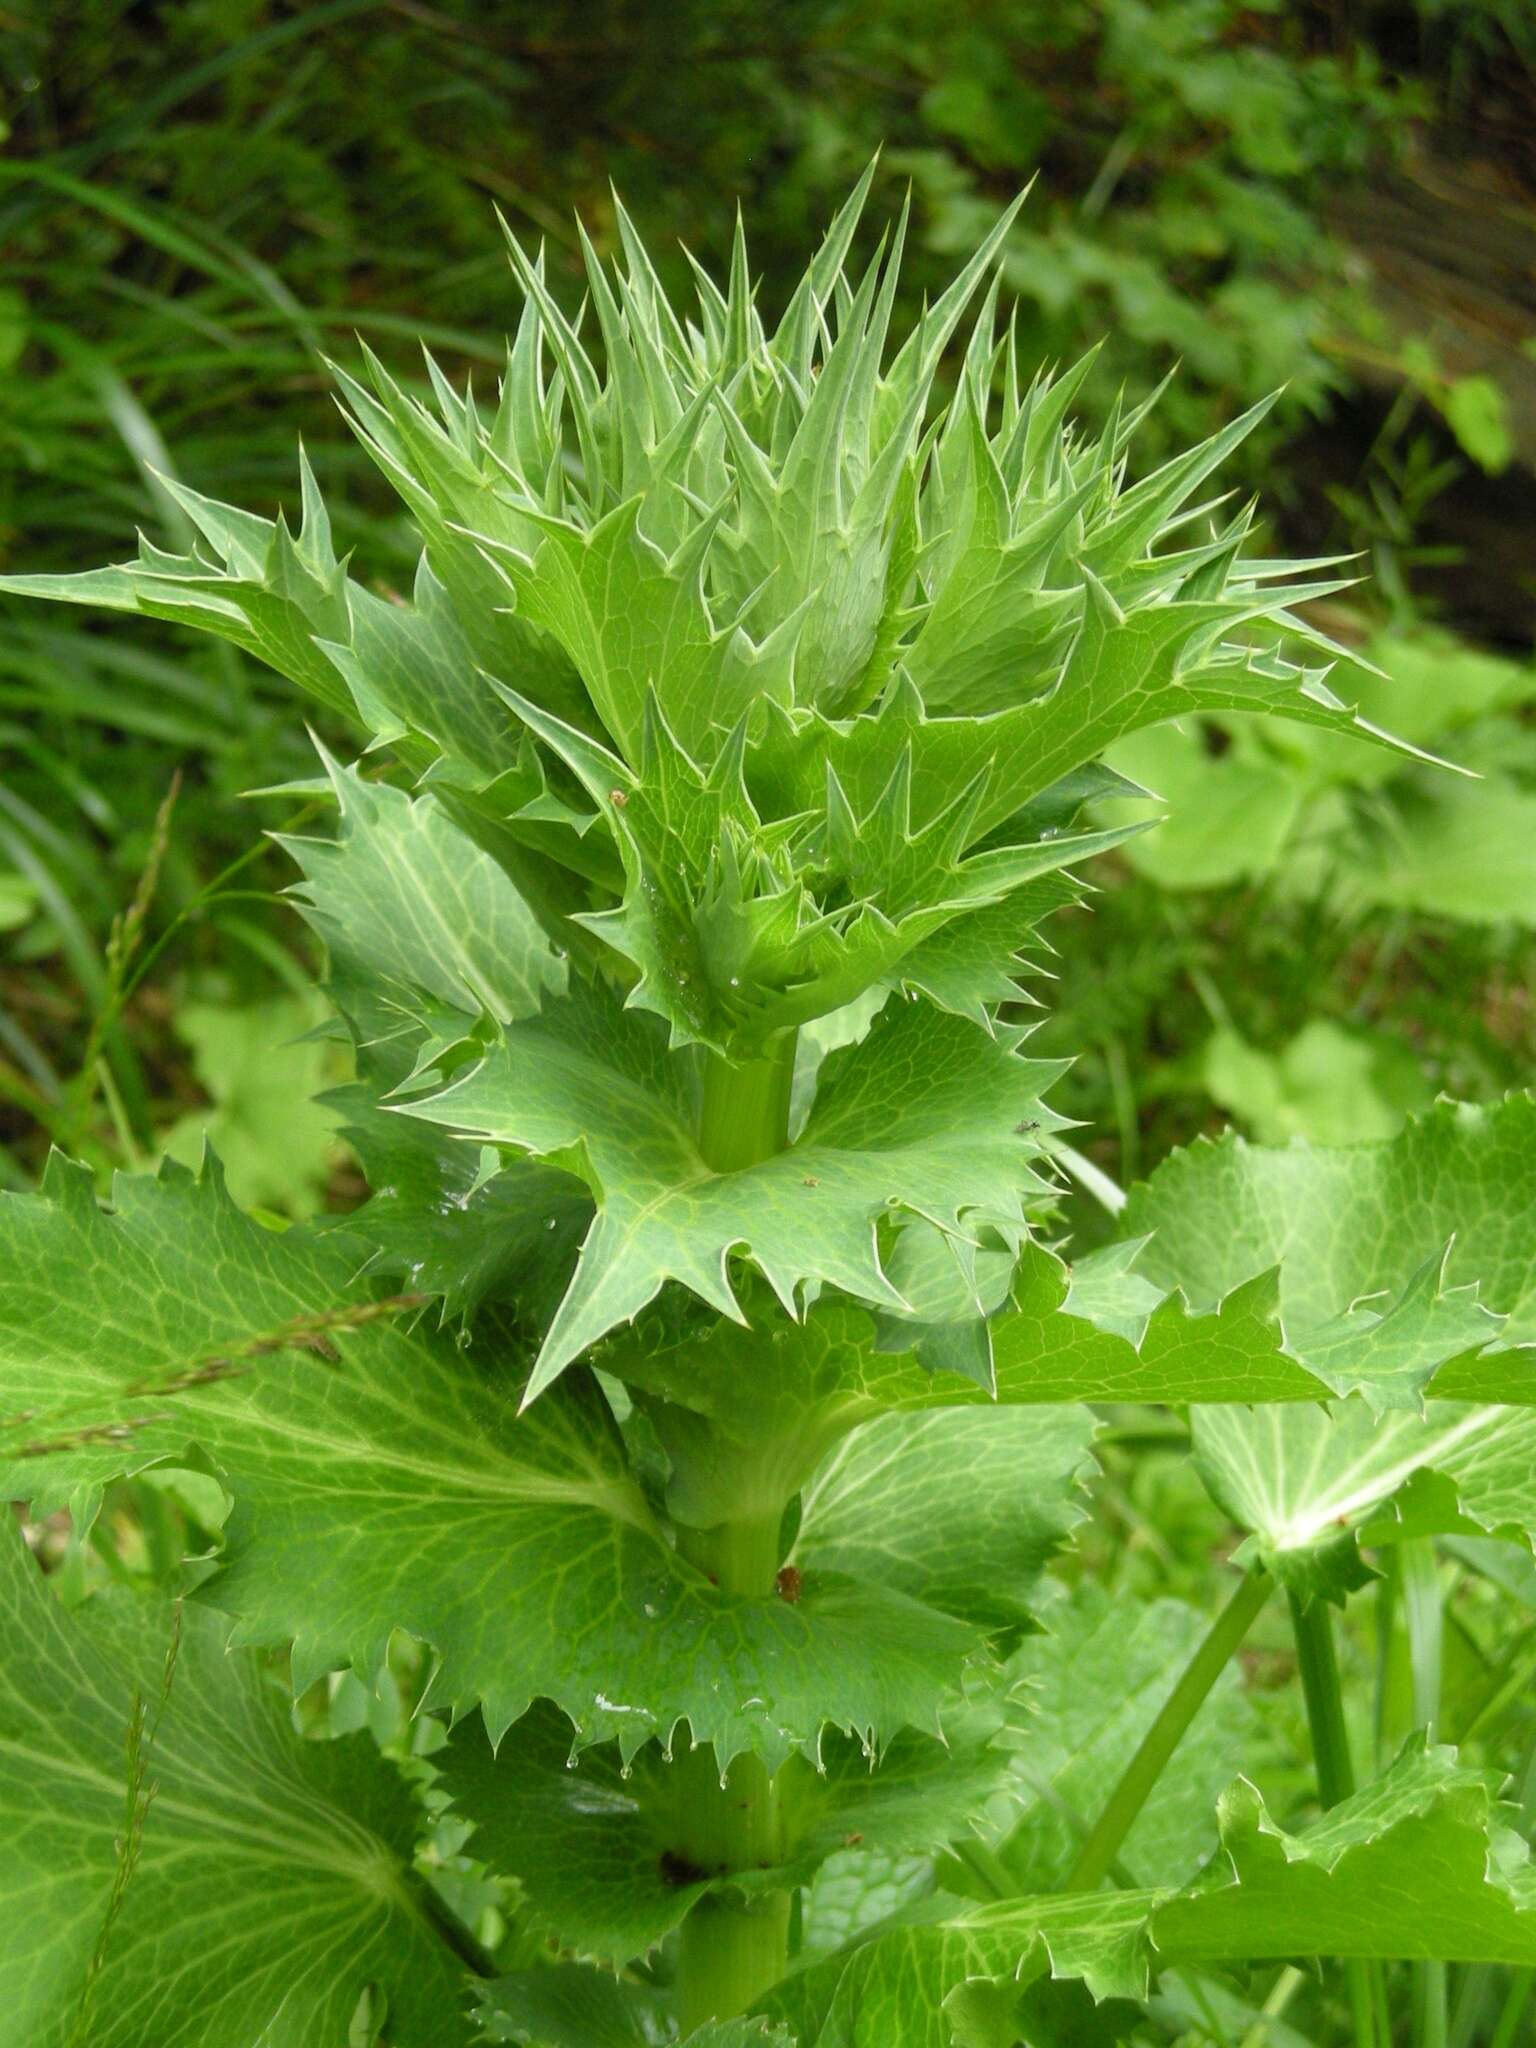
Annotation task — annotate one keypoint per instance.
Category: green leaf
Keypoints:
(1391, 1255)
(1328, 1085)
(409, 900)
(1477, 412)
(590, 1088)
(604, 1852)
(446, 1219)
(1462, 852)
(567, 2006)
(264, 1070)
(961, 1508)
(183, 1868)
(1303, 1482)
(1427, 1835)
(396, 1486)
(271, 594)
(1230, 815)
(1096, 1677)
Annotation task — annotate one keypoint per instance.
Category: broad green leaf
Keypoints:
(1389, 1254)
(182, 1868)
(1464, 852)
(605, 1852)
(1095, 1678)
(410, 901)
(568, 2006)
(960, 1507)
(1329, 1085)
(1427, 1836)
(395, 1486)
(264, 1069)
(590, 1088)
(1304, 1481)
(1229, 815)
(853, 1890)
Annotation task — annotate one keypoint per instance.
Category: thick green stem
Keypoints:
(1324, 1696)
(744, 1109)
(732, 1949)
(1167, 1732)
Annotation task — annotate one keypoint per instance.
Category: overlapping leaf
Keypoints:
(1404, 1266)
(926, 1116)
(1095, 1677)
(1304, 1482)
(181, 1867)
(395, 1486)
(605, 1854)
(1428, 1835)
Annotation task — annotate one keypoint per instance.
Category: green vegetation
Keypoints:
(657, 1402)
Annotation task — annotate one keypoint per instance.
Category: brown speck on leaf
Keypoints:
(789, 1583)
(852, 1841)
(617, 798)
(676, 1869)
(810, 1181)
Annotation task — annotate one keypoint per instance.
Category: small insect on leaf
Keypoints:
(789, 1583)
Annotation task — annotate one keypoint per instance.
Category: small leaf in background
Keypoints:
(263, 1074)
(1477, 413)
(1230, 814)
(1329, 1085)
(18, 900)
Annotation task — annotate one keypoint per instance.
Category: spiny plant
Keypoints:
(699, 1381)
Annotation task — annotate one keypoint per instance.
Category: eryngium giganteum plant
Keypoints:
(695, 1381)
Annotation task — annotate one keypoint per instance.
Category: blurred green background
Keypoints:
(200, 201)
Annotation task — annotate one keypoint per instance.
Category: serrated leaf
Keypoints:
(410, 901)
(568, 2006)
(1391, 1256)
(1427, 1835)
(606, 1853)
(590, 1088)
(398, 1488)
(961, 1508)
(182, 1867)
(1094, 1679)
(249, 581)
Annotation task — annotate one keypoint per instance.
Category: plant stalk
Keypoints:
(1324, 1696)
(1141, 1774)
(731, 1949)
